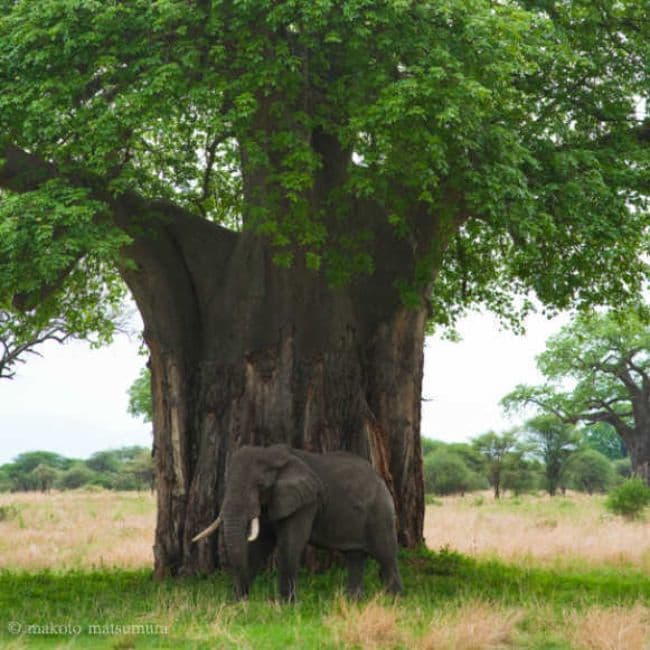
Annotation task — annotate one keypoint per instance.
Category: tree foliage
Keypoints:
(140, 400)
(553, 441)
(515, 124)
(603, 438)
(19, 337)
(598, 371)
(126, 468)
(589, 471)
(501, 453)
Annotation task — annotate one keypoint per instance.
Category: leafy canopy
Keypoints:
(514, 125)
(595, 367)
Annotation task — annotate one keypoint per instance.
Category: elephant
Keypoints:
(283, 497)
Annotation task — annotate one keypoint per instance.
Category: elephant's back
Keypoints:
(348, 478)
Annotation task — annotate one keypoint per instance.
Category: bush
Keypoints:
(445, 473)
(589, 471)
(629, 499)
(75, 477)
(623, 468)
(9, 512)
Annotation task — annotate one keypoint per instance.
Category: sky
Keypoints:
(73, 399)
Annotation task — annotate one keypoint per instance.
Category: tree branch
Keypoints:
(22, 171)
(14, 349)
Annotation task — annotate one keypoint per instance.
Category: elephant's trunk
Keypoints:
(235, 529)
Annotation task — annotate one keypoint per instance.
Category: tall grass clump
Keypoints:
(629, 499)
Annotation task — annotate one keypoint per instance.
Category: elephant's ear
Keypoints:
(295, 487)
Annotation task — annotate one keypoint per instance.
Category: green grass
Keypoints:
(200, 612)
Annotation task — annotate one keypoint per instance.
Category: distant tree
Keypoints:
(522, 474)
(469, 454)
(142, 470)
(500, 452)
(603, 438)
(45, 476)
(76, 477)
(140, 402)
(104, 461)
(607, 357)
(29, 460)
(553, 441)
(445, 473)
(20, 469)
(429, 445)
(589, 471)
(6, 484)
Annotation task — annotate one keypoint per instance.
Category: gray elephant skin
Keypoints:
(282, 497)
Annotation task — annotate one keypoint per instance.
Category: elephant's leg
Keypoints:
(292, 535)
(383, 547)
(356, 562)
(390, 575)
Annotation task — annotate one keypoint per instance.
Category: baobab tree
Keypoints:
(294, 191)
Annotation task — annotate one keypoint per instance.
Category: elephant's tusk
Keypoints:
(210, 529)
(254, 529)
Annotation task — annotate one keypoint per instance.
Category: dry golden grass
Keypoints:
(615, 628)
(538, 530)
(371, 625)
(376, 626)
(77, 529)
(475, 626)
(82, 529)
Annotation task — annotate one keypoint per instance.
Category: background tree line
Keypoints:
(544, 454)
(591, 416)
(126, 468)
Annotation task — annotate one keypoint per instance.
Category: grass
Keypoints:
(76, 529)
(453, 601)
(560, 532)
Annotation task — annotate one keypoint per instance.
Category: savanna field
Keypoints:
(523, 572)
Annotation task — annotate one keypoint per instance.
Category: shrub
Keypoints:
(75, 477)
(629, 499)
(623, 468)
(445, 473)
(589, 471)
(8, 512)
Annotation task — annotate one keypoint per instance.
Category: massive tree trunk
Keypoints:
(246, 352)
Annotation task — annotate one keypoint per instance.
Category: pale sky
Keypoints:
(73, 399)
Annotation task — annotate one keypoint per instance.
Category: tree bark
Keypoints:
(245, 352)
(637, 441)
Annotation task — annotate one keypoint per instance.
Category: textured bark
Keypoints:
(244, 352)
(637, 441)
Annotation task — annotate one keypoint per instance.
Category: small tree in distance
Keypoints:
(500, 452)
(553, 441)
(45, 477)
